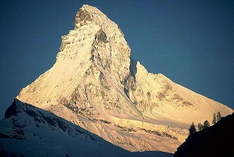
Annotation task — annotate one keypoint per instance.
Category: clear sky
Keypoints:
(191, 42)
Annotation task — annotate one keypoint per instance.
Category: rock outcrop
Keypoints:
(96, 85)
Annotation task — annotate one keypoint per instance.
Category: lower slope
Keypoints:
(30, 131)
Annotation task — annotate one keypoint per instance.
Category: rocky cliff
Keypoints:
(96, 85)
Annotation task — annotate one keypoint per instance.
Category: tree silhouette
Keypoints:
(214, 119)
(200, 126)
(206, 124)
(219, 116)
(192, 129)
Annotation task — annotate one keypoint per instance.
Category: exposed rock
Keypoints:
(101, 36)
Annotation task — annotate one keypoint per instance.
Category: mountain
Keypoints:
(29, 131)
(214, 141)
(96, 85)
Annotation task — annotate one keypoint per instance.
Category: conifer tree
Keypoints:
(219, 116)
(206, 124)
(192, 129)
(200, 127)
(214, 119)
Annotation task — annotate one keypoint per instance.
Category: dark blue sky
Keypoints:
(191, 42)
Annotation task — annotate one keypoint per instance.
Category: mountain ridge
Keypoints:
(96, 85)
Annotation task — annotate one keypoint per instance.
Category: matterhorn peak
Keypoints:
(98, 40)
(91, 9)
(96, 85)
(88, 14)
(91, 15)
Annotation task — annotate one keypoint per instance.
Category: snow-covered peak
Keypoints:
(97, 43)
(92, 15)
(95, 84)
(96, 38)
(89, 14)
(91, 9)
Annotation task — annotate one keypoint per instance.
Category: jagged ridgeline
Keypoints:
(96, 85)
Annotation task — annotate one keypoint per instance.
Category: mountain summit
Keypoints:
(96, 85)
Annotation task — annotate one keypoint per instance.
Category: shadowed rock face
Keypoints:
(101, 36)
(96, 85)
(215, 141)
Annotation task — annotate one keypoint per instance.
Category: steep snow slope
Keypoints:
(96, 85)
(167, 100)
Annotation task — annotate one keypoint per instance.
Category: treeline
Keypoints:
(206, 123)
